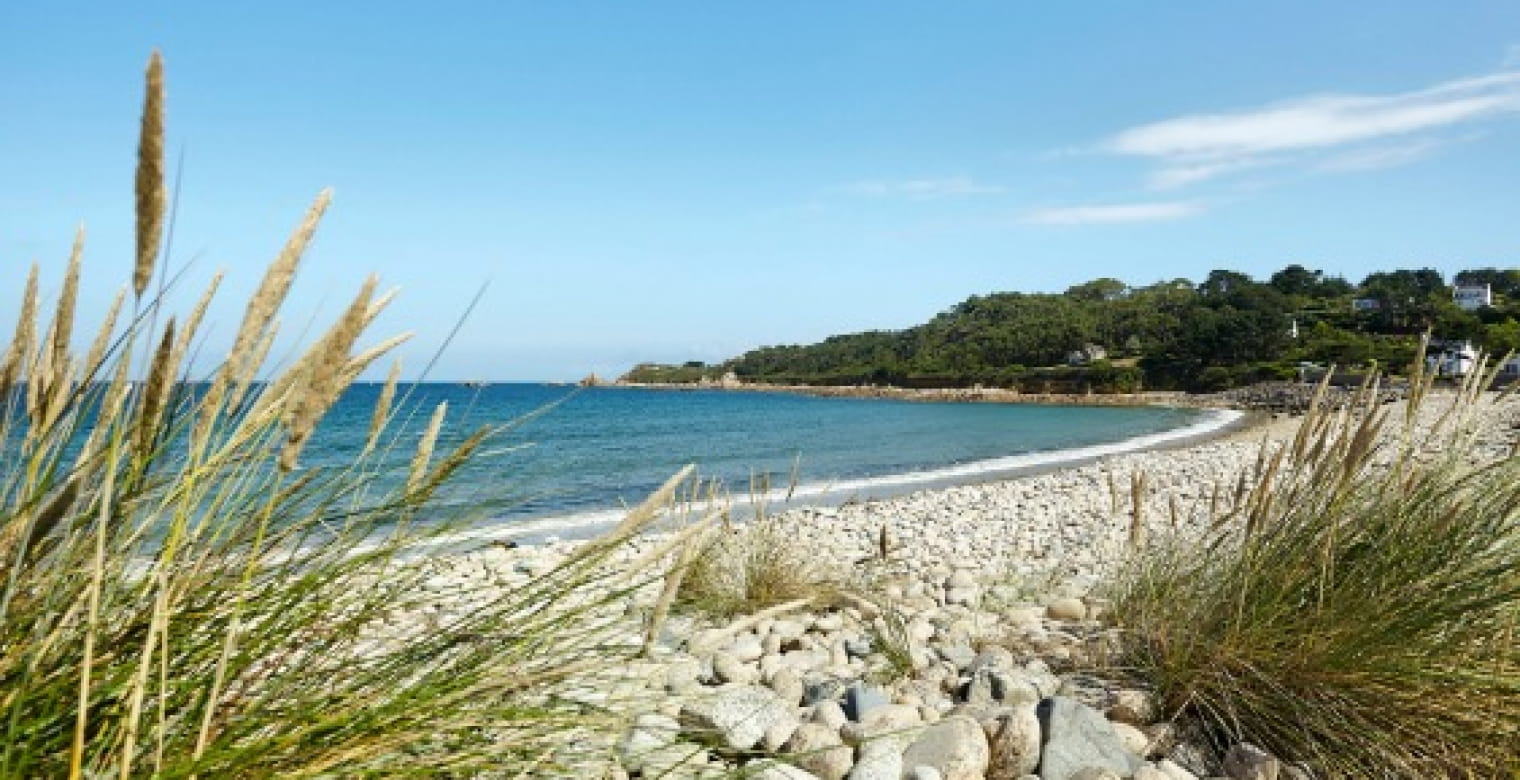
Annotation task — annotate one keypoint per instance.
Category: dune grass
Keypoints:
(179, 597)
(1356, 608)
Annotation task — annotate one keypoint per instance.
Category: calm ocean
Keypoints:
(568, 469)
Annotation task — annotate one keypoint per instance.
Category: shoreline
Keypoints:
(1176, 398)
(827, 495)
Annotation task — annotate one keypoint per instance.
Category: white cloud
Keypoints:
(923, 189)
(1378, 157)
(1320, 122)
(1181, 175)
(1113, 213)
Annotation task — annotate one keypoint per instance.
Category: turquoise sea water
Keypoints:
(598, 449)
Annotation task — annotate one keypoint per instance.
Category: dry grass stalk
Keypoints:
(382, 413)
(424, 452)
(152, 197)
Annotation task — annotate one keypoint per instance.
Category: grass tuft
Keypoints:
(179, 599)
(1355, 608)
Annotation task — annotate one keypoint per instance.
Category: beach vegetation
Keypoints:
(1225, 331)
(183, 594)
(1355, 606)
(739, 569)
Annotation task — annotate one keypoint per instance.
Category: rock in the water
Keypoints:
(1014, 739)
(1066, 609)
(1249, 762)
(860, 699)
(955, 746)
(1079, 737)
(816, 748)
(739, 715)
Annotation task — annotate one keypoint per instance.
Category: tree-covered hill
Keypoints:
(1106, 335)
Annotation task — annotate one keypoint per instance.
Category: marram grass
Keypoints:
(179, 598)
(1356, 607)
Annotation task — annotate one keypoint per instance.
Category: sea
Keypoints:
(567, 461)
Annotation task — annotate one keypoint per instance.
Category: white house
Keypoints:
(1471, 297)
(1454, 358)
(1366, 304)
(1510, 369)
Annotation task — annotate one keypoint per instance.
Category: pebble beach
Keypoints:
(993, 594)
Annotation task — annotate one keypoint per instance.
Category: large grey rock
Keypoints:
(959, 654)
(860, 698)
(1078, 737)
(739, 715)
(955, 746)
(1014, 738)
(880, 756)
(1249, 762)
(816, 748)
(817, 689)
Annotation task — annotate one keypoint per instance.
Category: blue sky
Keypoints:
(672, 181)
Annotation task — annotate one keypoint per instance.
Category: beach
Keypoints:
(970, 570)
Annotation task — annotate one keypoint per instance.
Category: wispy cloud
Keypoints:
(1320, 122)
(1322, 132)
(1113, 213)
(923, 189)
(1374, 158)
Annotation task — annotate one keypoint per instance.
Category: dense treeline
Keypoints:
(1105, 335)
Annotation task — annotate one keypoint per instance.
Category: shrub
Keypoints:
(1355, 609)
(739, 569)
(179, 598)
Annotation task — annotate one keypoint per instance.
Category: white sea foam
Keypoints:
(584, 524)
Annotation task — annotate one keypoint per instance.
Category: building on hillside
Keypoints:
(1365, 304)
(1471, 297)
(1510, 369)
(1089, 353)
(1450, 358)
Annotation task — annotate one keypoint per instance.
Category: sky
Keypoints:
(674, 181)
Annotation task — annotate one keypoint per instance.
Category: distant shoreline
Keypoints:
(956, 394)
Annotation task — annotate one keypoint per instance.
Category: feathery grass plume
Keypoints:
(382, 412)
(244, 360)
(1356, 610)
(155, 397)
(152, 197)
(424, 452)
(322, 375)
(18, 352)
(102, 341)
(224, 618)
